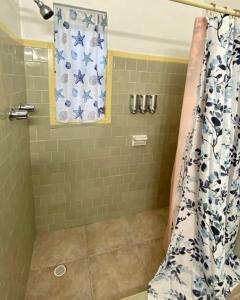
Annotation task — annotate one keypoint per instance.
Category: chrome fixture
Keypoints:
(133, 105)
(143, 103)
(18, 114)
(45, 11)
(27, 107)
(152, 103)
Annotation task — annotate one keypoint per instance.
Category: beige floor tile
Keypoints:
(140, 296)
(56, 247)
(235, 294)
(106, 236)
(151, 254)
(147, 225)
(117, 274)
(74, 285)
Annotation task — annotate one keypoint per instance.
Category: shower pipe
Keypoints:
(210, 6)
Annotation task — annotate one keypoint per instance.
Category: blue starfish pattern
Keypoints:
(88, 20)
(104, 22)
(78, 112)
(59, 55)
(79, 77)
(100, 41)
(59, 15)
(78, 39)
(87, 96)
(104, 61)
(58, 94)
(87, 58)
(103, 95)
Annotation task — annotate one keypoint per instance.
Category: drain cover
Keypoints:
(60, 270)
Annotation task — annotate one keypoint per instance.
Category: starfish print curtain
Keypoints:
(80, 37)
(200, 263)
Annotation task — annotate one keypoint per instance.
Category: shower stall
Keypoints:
(84, 206)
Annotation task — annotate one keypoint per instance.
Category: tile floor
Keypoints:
(105, 261)
(108, 260)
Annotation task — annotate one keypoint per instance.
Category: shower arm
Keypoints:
(39, 3)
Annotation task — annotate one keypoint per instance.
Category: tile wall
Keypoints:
(87, 173)
(16, 199)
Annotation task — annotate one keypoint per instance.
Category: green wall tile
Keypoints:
(93, 167)
(16, 200)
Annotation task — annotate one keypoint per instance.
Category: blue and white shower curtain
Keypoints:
(200, 262)
(80, 64)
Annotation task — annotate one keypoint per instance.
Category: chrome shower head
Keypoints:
(45, 11)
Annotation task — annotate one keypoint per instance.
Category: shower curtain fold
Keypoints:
(200, 263)
(189, 102)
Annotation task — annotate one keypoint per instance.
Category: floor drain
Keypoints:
(60, 270)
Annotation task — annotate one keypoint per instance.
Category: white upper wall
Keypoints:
(158, 27)
(10, 15)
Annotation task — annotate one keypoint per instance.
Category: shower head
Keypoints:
(45, 11)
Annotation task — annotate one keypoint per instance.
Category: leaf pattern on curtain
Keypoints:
(80, 64)
(200, 263)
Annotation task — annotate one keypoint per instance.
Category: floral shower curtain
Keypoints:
(200, 262)
(80, 63)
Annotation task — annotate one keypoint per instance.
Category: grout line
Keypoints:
(88, 265)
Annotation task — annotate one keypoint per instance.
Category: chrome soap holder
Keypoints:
(143, 99)
(133, 105)
(143, 103)
(152, 103)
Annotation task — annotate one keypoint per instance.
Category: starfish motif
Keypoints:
(78, 112)
(103, 95)
(59, 55)
(87, 58)
(79, 77)
(78, 39)
(58, 94)
(86, 95)
(104, 61)
(88, 20)
(100, 41)
(104, 22)
(59, 15)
